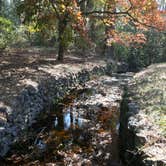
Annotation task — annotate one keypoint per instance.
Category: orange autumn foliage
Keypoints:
(142, 14)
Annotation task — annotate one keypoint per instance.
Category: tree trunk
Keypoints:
(60, 51)
(1, 6)
(109, 50)
(61, 38)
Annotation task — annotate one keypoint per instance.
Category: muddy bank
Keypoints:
(143, 138)
(24, 105)
(82, 130)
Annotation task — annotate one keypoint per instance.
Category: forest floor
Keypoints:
(21, 67)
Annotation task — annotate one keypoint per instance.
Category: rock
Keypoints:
(141, 114)
(34, 97)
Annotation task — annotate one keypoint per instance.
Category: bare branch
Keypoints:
(105, 12)
(142, 23)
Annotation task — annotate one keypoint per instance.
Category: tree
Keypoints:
(60, 14)
(1, 7)
(52, 14)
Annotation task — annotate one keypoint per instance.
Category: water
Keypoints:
(71, 134)
(70, 118)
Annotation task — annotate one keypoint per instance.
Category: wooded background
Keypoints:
(128, 31)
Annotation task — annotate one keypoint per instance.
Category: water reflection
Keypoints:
(69, 118)
(40, 144)
(56, 122)
(75, 131)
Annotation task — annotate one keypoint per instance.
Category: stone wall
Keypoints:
(134, 131)
(142, 138)
(36, 97)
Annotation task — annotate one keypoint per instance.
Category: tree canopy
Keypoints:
(122, 21)
(115, 15)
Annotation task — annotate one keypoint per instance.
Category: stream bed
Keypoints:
(80, 130)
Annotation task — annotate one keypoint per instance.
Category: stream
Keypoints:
(82, 129)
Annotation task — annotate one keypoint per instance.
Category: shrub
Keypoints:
(7, 33)
(140, 56)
